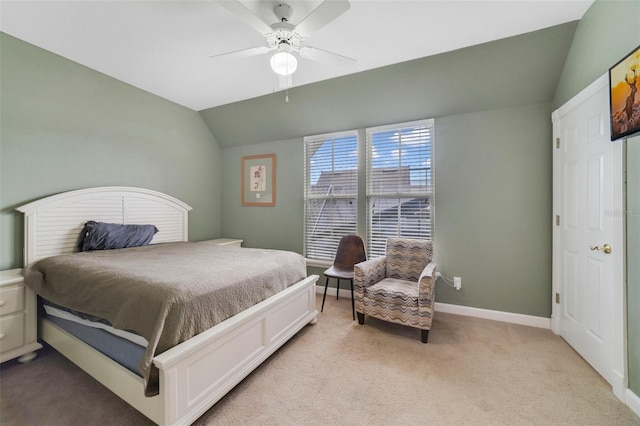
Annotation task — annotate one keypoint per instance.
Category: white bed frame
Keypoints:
(197, 373)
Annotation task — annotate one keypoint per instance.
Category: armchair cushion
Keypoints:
(393, 291)
(406, 258)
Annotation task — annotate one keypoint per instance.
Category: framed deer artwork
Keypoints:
(624, 80)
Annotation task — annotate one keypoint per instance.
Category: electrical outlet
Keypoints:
(457, 282)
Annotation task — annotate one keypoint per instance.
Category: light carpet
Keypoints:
(472, 372)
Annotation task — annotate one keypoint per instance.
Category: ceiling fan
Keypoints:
(285, 38)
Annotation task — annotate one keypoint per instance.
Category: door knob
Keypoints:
(605, 248)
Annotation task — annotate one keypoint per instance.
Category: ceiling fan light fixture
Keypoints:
(284, 63)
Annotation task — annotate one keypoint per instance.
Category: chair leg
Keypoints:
(326, 284)
(424, 335)
(360, 318)
(338, 290)
(353, 303)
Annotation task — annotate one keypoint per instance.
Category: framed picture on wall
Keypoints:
(624, 81)
(259, 180)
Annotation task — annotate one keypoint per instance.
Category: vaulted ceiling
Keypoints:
(165, 47)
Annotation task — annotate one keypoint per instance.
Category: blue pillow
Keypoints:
(107, 236)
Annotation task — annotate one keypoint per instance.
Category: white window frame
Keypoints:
(376, 244)
(328, 253)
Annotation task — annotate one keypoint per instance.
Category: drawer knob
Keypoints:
(2, 336)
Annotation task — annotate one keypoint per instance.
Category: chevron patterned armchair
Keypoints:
(400, 286)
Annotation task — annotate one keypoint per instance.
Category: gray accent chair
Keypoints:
(400, 286)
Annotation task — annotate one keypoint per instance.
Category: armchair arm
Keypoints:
(427, 283)
(369, 272)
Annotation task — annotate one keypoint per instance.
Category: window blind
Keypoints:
(331, 192)
(399, 183)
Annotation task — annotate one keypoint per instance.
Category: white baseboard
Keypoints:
(618, 384)
(345, 289)
(501, 316)
(468, 311)
(633, 402)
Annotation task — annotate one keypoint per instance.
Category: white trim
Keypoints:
(339, 141)
(375, 239)
(427, 122)
(619, 365)
(331, 291)
(510, 317)
(577, 100)
(556, 273)
(633, 401)
(332, 135)
(468, 311)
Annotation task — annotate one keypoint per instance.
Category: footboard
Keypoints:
(200, 371)
(197, 373)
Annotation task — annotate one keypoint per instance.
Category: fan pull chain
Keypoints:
(286, 96)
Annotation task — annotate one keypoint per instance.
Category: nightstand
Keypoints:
(18, 318)
(224, 242)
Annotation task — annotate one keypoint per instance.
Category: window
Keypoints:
(399, 187)
(330, 192)
(399, 183)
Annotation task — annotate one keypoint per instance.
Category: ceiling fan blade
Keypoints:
(326, 12)
(245, 14)
(243, 53)
(321, 55)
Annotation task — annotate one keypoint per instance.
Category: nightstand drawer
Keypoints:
(11, 332)
(11, 300)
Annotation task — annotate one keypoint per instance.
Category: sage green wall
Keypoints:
(518, 70)
(492, 208)
(278, 227)
(608, 31)
(64, 127)
(491, 105)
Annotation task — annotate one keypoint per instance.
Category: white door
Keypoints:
(588, 248)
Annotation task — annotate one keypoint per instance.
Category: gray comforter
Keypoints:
(168, 292)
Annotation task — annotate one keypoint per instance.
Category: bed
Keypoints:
(196, 373)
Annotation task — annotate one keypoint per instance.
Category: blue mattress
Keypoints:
(123, 351)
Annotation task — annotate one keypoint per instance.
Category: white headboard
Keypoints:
(53, 224)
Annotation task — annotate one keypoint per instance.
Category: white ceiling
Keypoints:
(164, 47)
